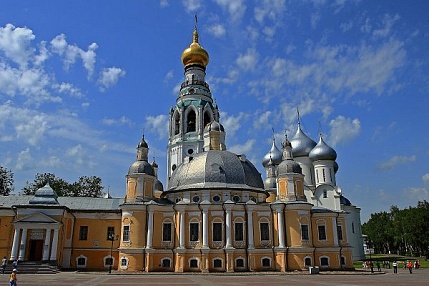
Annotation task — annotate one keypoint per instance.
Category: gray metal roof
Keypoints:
(73, 203)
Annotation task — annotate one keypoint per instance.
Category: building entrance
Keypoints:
(36, 250)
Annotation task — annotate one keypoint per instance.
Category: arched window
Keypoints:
(124, 262)
(194, 229)
(324, 261)
(167, 228)
(108, 260)
(81, 261)
(217, 263)
(166, 262)
(191, 121)
(239, 263)
(307, 261)
(176, 123)
(207, 118)
(193, 263)
(343, 261)
(266, 262)
(264, 230)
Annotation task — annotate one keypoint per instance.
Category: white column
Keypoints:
(335, 231)
(251, 243)
(205, 228)
(280, 225)
(228, 228)
(21, 255)
(182, 230)
(15, 245)
(149, 230)
(54, 246)
(47, 245)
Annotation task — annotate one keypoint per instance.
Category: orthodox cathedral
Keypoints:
(216, 213)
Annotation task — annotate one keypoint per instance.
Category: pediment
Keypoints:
(37, 217)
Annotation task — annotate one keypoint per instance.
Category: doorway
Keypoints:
(36, 250)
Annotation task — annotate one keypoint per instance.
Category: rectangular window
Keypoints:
(239, 231)
(322, 232)
(265, 231)
(166, 231)
(217, 231)
(304, 232)
(126, 233)
(340, 232)
(110, 233)
(193, 231)
(83, 233)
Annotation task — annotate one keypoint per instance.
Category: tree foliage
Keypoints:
(84, 187)
(400, 231)
(6, 181)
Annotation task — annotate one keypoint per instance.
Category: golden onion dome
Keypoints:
(195, 54)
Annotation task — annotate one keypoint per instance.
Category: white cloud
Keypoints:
(164, 3)
(235, 8)
(232, 123)
(343, 129)
(109, 77)
(16, 44)
(24, 161)
(387, 24)
(192, 5)
(425, 178)
(217, 30)
(269, 9)
(262, 120)
(248, 60)
(68, 88)
(395, 161)
(417, 194)
(246, 148)
(118, 122)
(158, 124)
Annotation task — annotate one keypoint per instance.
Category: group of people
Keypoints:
(409, 264)
(12, 277)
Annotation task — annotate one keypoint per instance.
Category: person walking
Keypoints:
(395, 267)
(15, 264)
(3, 264)
(410, 266)
(13, 279)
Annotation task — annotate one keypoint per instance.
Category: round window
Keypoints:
(216, 198)
(196, 199)
(190, 151)
(236, 199)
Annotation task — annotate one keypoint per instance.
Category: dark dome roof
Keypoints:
(142, 143)
(216, 169)
(345, 201)
(159, 186)
(322, 152)
(301, 144)
(336, 167)
(141, 167)
(289, 166)
(274, 154)
(214, 126)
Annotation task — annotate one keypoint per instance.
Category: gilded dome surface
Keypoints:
(322, 152)
(216, 169)
(301, 144)
(195, 54)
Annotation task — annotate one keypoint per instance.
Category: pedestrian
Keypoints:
(378, 266)
(395, 267)
(13, 279)
(371, 265)
(15, 264)
(3, 264)
(410, 266)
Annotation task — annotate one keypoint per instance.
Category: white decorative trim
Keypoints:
(105, 259)
(320, 261)
(213, 262)
(266, 257)
(126, 264)
(86, 261)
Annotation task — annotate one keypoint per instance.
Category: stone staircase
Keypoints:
(32, 267)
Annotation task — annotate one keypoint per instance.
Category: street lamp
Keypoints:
(112, 238)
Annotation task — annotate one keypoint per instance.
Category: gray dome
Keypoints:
(336, 167)
(214, 126)
(141, 167)
(301, 144)
(345, 201)
(45, 195)
(142, 143)
(159, 186)
(216, 169)
(322, 152)
(274, 154)
(289, 166)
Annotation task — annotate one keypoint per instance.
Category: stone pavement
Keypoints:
(419, 277)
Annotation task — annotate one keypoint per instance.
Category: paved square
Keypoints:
(419, 277)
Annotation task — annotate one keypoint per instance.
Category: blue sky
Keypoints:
(81, 80)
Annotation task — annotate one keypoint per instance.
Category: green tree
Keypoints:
(6, 181)
(84, 187)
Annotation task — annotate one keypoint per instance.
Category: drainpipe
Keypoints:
(146, 229)
(339, 242)
(72, 237)
(246, 238)
(272, 238)
(174, 240)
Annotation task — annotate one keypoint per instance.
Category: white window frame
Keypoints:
(196, 221)
(262, 262)
(219, 221)
(169, 259)
(194, 258)
(264, 220)
(213, 263)
(311, 261)
(123, 233)
(320, 261)
(167, 221)
(126, 264)
(86, 261)
(105, 261)
(240, 267)
(240, 220)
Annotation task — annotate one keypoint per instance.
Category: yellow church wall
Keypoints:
(6, 235)
(136, 219)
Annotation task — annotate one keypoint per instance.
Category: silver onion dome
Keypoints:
(141, 167)
(301, 143)
(336, 167)
(288, 165)
(216, 169)
(142, 143)
(214, 126)
(322, 152)
(274, 154)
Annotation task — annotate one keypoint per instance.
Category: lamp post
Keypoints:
(112, 238)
